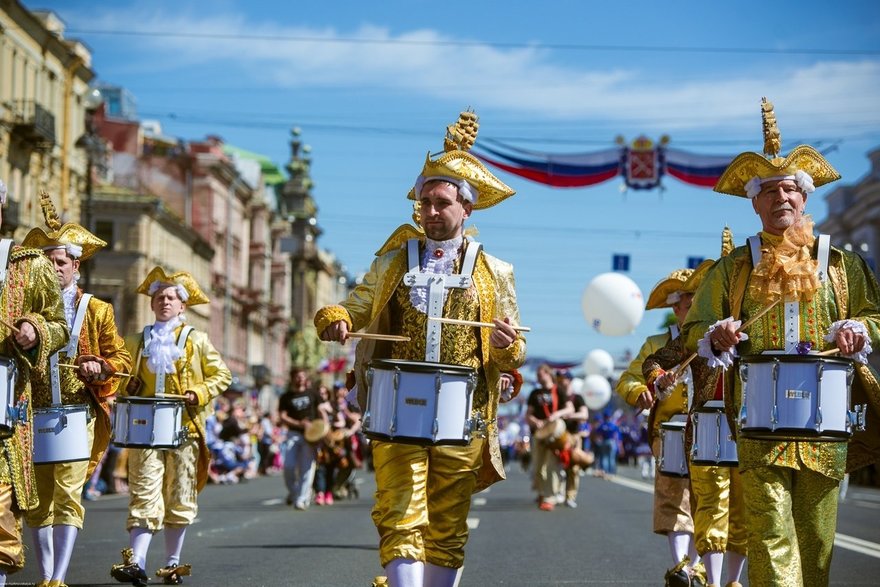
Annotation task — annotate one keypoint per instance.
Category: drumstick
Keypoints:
(472, 323)
(115, 374)
(375, 336)
(754, 318)
(829, 352)
(170, 396)
(11, 327)
(748, 323)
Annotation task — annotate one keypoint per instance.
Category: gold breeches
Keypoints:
(162, 486)
(792, 515)
(11, 548)
(572, 482)
(718, 509)
(672, 500)
(423, 496)
(59, 487)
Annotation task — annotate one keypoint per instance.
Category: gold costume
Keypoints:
(672, 512)
(423, 493)
(201, 369)
(99, 338)
(717, 503)
(31, 294)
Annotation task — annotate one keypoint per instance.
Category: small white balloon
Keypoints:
(613, 304)
(577, 385)
(597, 392)
(599, 362)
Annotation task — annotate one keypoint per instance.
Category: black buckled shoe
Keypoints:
(128, 571)
(678, 575)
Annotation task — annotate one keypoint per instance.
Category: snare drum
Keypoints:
(148, 422)
(713, 443)
(672, 456)
(8, 375)
(797, 397)
(419, 402)
(553, 434)
(61, 434)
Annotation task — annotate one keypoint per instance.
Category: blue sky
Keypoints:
(565, 76)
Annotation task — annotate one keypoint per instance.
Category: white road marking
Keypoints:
(857, 545)
(632, 484)
(473, 523)
(478, 501)
(273, 501)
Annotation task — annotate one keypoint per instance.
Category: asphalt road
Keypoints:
(246, 535)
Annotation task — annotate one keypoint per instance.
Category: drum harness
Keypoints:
(69, 351)
(17, 412)
(437, 284)
(792, 309)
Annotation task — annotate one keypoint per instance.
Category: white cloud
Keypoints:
(818, 97)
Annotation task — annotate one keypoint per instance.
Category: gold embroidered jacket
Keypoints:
(632, 384)
(368, 307)
(851, 291)
(200, 369)
(31, 293)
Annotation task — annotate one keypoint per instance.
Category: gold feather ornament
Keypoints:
(61, 235)
(463, 134)
(772, 136)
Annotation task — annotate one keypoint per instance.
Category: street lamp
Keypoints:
(95, 149)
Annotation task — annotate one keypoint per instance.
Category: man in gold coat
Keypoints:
(99, 353)
(790, 487)
(30, 301)
(672, 510)
(423, 492)
(717, 505)
(171, 358)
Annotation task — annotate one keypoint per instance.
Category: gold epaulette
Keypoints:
(403, 233)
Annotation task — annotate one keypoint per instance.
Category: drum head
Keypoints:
(316, 430)
(549, 430)
(419, 367)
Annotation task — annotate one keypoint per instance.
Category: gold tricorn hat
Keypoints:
(182, 278)
(696, 278)
(69, 235)
(456, 163)
(750, 166)
(666, 287)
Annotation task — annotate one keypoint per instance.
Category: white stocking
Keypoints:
(63, 538)
(714, 561)
(404, 572)
(735, 564)
(139, 540)
(437, 576)
(2, 578)
(174, 544)
(43, 542)
(679, 545)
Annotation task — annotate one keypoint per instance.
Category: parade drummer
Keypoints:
(423, 492)
(717, 504)
(30, 301)
(672, 510)
(99, 354)
(790, 488)
(171, 358)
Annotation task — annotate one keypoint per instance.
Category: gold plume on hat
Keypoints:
(463, 133)
(49, 212)
(772, 136)
(726, 241)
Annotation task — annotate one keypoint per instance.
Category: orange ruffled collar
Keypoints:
(787, 269)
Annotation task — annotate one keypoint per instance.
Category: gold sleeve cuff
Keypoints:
(653, 375)
(330, 314)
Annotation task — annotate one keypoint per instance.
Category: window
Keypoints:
(104, 231)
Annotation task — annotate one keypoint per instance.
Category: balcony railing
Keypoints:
(34, 123)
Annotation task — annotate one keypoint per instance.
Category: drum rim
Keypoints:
(62, 408)
(417, 440)
(793, 435)
(747, 359)
(673, 425)
(420, 366)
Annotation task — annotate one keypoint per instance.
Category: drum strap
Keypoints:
(5, 247)
(70, 350)
(437, 284)
(181, 345)
(792, 309)
(674, 333)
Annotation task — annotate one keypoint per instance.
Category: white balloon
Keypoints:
(597, 392)
(577, 385)
(613, 304)
(599, 362)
